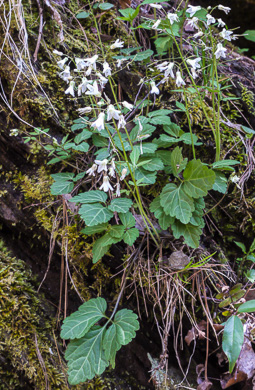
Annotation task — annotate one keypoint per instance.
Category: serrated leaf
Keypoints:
(134, 155)
(198, 179)
(130, 236)
(173, 129)
(146, 147)
(85, 356)
(252, 247)
(121, 205)
(197, 215)
(176, 159)
(247, 307)
(94, 214)
(164, 155)
(79, 176)
(154, 164)
(99, 251)
(143, 55)
(187, 138)
(143, 177)
(162, 112)
(63, 176)
(155, 204)
(176, 202)
(190, 233)
(165, 221)
(83, 147)
(61, 187)
(160, 120)
(224, 164)
(85, 134)
(121, 332)
(117, 231)
(127, 219)
(95, 229)
(78, 323)
(221, 182)
(90, 197)
(232, 340)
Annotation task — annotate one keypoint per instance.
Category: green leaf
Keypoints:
(163, 43)
(250, 35)
(85, 356)
(143, 55)
(176, 202)
(134, 155)
(90, 197)
(252, 247)
(155, 204)
(198, 179)
(190, 233)
(61, 187)
(173, 129)
(165, 221)
(117, 231)
(248, 130)
(105, 6)
(94, 214)
(85, 134)
(63, 176)
(94, 229)
(250, 275)
(78, 323)
(121, 332)
(152, 2)
(130, 236)
(160, 120)
(197, 215)
(247, 307)
(99, 251)
(241, 245)
(154, 164)
(127, 219)
(187, 138)
(143, 177)
(161, 112)
(176, 159)
(221, 182)
(82, 15)
(225, 164)
(83, 147)
(232, 340)
(121, 205)
(146, 147)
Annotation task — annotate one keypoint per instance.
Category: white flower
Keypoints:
(106, 69)
(194, 74)
(193, 23)
(70, 89)
(99, 123)
(58, 53)
(83, 86)
(127, 105)
(112, 113)
(117, 44)
(172, 18)
(221, 23)
(156, 24)
(102, 80)
(122, 123)
(195, 63)
(106, 186)
(162, 66)
(14, 132)
(102, 165)
(225, 9)
(225, 34)
(198, 34)
(93, 90)
(158, 6)
(179, 79)
(84, 110)
(91, 61)
(193, 9)
(89, 70)
(80, 63)
(117, 189)
(66, 75)
(169, 70)
(123, 173)
(154, 89)
(61, 63)
(210, 19)
(119, 62)
(221, 51)
(140, 127)
(112, 168)
(91, 171)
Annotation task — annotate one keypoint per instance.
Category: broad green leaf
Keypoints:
(162, 112)
(176, 159)
(143, 55)
(155, 204)
(63, 176)
(105, 6)
(250, 35)
(78, 323)
(247, 307)
(232, 340)
(190, 233)
(152, 1)
(82, 15)
(85, 134)
(90, 197)
(173, 129)
(241, 245)
(95, 229)
(130, 236)
(187, 138)
(223, 164)
(165, 221)
(154, 164)
(176, 202)
(146, 147)
(197, 215)
(61, 187)
(121, 332)
(198, 179)
(248, 130)
(134, 155)
(250, 275)
(163, 43)
(85, 356)
(94, 214)
(83, 147)
(117, 231)
(143, 177)
(79, 176)
(127, 219)
(160, 120)
(121, 205)
(221, 182)
(99, 251)
(164, 155)
(252, 247)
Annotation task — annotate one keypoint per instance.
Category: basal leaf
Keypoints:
(94, 214)
(176, 202)
(90, 197)
(165, 221)
(63, 176)
(86, 357)
(78, 323)
(94, 229)
(176, 159)
(190, 233)
(160, 120)
(247, 307)
(134, 155)
(198, 179)
(155, 204)
(224, 164)
(61, 187)
(146, 147)
(85, 134)
(127, 219)
(130, 236)
(121, 205)
(99, 251)
(143, 177)
(82, 15)
(197, 215)
(173, 129)
(232, 340)
(221, 182)
(164, 155)
(162, 112)
(105, 6)
(154, 164)
(117, 231)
